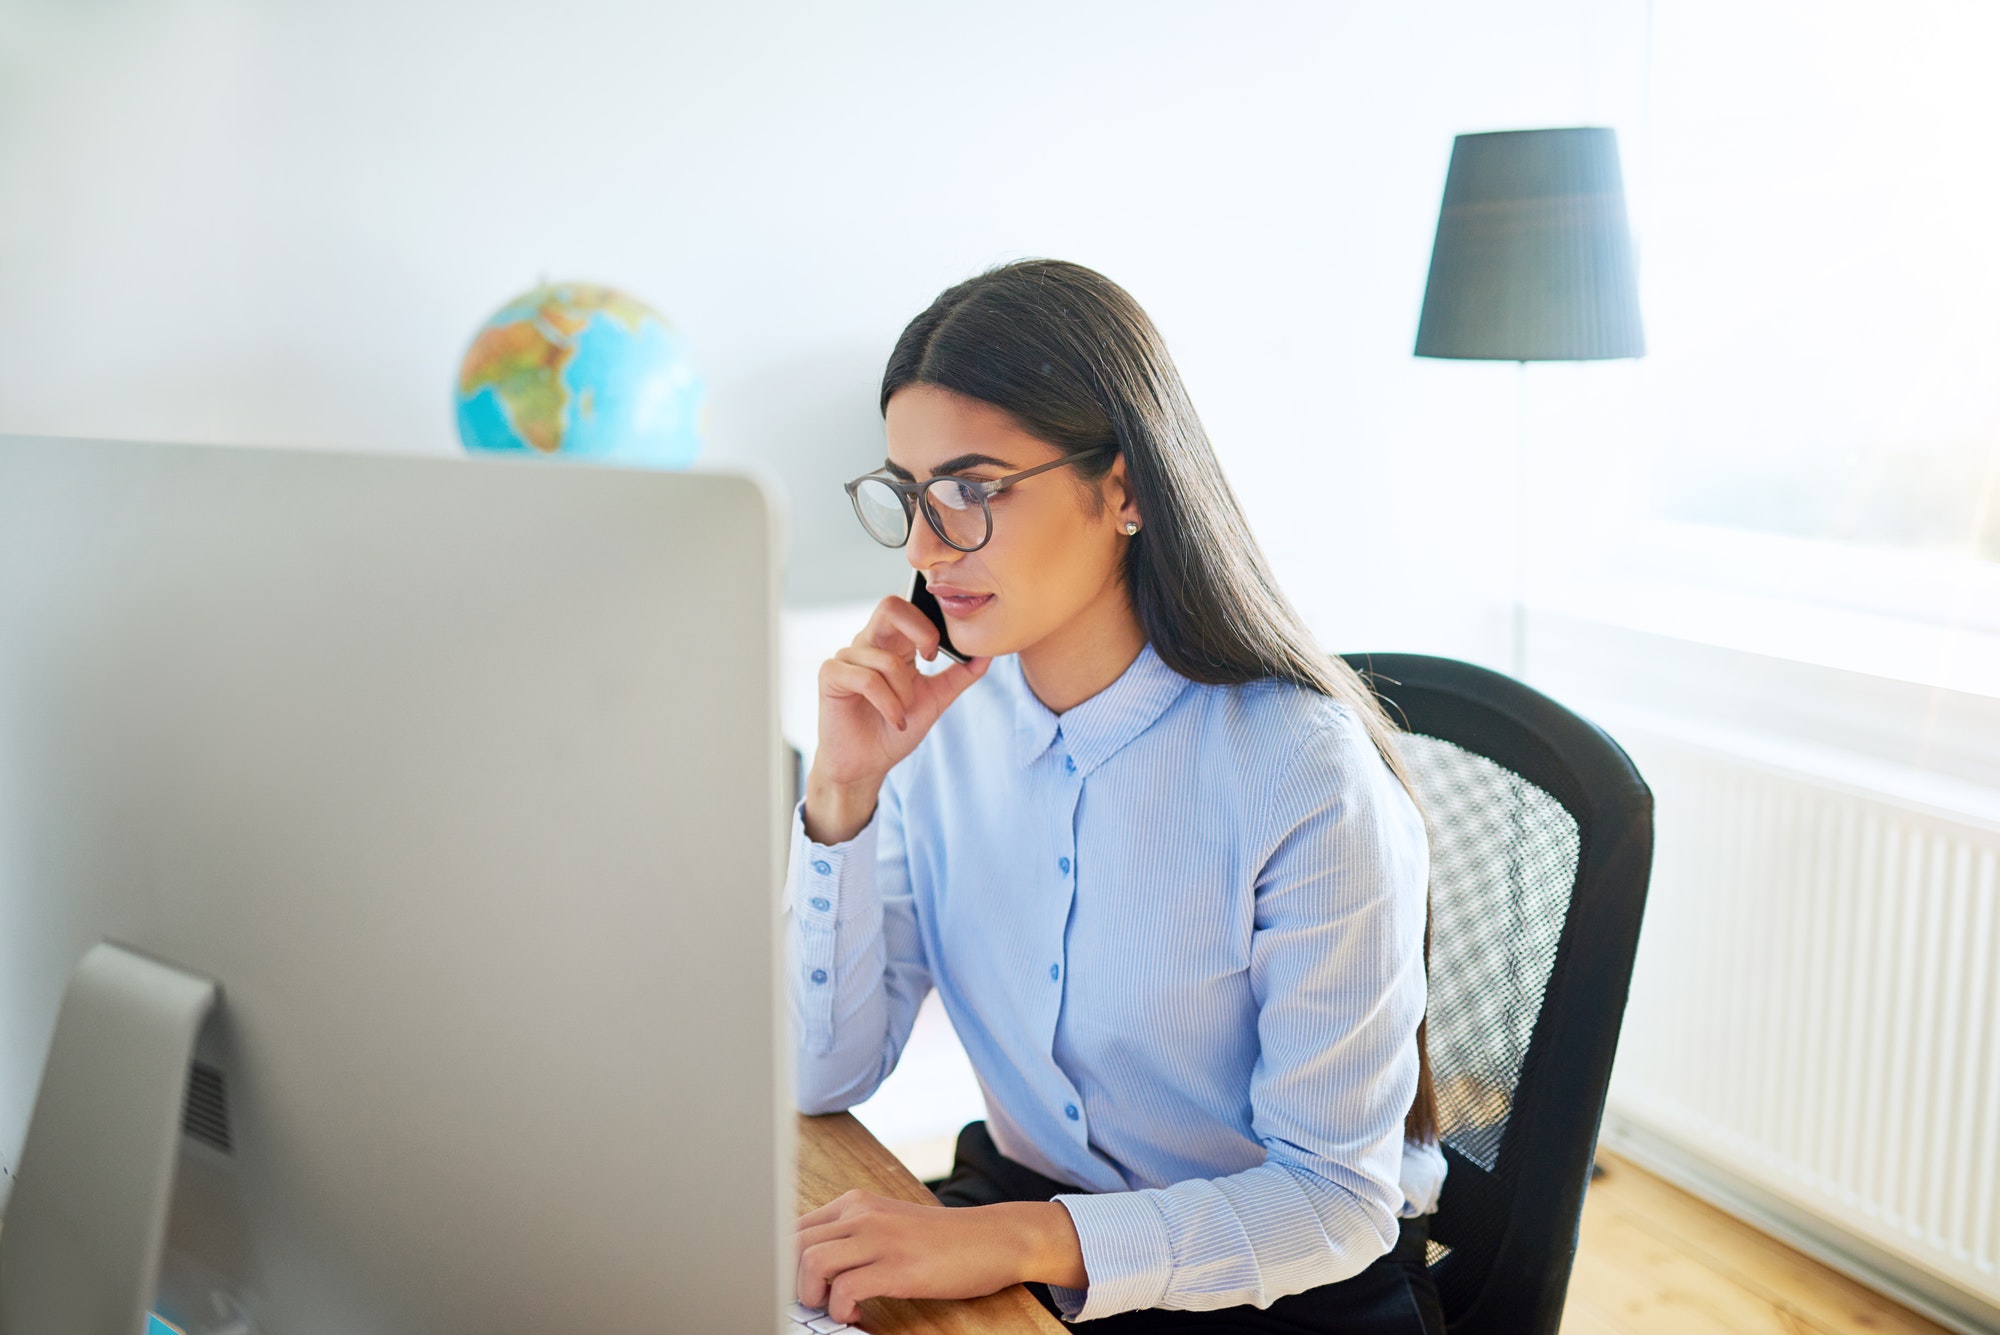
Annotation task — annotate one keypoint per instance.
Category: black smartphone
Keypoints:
(927, 603)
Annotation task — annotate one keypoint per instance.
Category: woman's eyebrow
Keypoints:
(953, 465)
(965, 461)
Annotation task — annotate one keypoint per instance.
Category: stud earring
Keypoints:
(1130, 528)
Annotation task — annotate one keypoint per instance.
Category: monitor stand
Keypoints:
(81, 1246)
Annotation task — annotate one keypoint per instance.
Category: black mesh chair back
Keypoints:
(1541, 843)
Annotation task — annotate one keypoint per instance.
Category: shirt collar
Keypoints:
(1093, 731)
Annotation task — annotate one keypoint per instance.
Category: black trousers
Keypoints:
(1393, 1296)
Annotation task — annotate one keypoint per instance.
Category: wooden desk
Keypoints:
(837, 1154)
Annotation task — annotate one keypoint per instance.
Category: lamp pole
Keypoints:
(1532, 263)
(1518, 663)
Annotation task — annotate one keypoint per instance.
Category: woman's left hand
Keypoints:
(862, 1246)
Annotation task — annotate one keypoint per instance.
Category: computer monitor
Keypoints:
(462, 780)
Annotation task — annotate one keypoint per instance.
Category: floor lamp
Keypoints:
(1532, 263)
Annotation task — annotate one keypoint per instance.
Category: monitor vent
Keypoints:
(205, 1117)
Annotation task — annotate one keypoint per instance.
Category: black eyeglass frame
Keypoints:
(917, 495)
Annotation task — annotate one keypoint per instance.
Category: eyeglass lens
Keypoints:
(959, 514)
(881, 512)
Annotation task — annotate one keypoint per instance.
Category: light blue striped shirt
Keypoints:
(1179, 929)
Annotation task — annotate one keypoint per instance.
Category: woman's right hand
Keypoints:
(874, 707)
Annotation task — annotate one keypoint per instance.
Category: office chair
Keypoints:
(1541, 843)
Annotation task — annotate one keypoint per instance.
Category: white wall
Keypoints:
(264, 222)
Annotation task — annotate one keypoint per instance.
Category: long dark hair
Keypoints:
(1073, 359)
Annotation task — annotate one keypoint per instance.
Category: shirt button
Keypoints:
(822, 903)
(1062, 865)
(1069, 1111)
(1055, 972)
(1069, 764)
(822, 866)
(819, 975)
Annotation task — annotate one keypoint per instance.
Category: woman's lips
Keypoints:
(959, 603)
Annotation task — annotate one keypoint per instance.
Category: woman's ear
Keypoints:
(1119, 497)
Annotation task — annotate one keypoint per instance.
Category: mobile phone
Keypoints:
(927, 603)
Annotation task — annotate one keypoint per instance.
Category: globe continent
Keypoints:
(585, 372)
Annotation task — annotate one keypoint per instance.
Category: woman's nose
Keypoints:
(925, 548)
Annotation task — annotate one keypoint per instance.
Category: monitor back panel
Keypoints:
(463, 780)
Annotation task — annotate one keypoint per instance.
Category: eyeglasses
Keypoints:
(958, 508)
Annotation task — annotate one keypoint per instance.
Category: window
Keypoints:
(1817, 425)
(1823, 270)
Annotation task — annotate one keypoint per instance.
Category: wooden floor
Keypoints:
(1653, 1260)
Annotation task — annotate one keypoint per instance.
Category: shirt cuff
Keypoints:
(819, 896)
(813, 889)
(1423, 1178)
(1126, 1254)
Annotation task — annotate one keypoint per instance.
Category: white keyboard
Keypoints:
(818, 1322)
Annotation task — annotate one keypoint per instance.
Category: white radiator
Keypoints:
(1815, 1012)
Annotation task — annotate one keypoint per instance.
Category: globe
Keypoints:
(585, 372)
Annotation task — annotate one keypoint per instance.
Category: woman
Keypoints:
(1150, 844)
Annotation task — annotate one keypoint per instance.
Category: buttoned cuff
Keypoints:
(1423, 1178)
(1126, 1254)
(820, 893)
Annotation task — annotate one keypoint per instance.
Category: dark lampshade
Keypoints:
(1533, 258)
